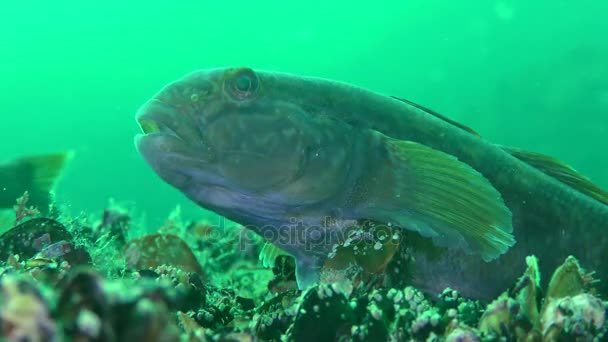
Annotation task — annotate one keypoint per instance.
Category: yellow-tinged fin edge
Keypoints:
(560, 171)
(47, 169)
(426, 190)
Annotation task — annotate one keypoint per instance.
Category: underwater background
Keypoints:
(72, 74)
(117, 262)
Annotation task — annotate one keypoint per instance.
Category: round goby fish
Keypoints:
(300, 160)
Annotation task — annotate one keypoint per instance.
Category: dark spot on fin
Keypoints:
(431, 192)
(560, 171)
(439, 116)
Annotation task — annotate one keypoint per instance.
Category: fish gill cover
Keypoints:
(523, 76)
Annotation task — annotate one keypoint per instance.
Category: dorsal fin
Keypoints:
(439, 116)
(548, 165)
(560, 171)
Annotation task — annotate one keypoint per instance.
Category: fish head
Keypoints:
(222, 133)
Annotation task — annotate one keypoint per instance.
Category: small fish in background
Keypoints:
(34, 176)
(301, 160)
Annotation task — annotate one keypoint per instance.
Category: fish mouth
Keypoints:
(168, 133)
(148, 126)
(172, 144)
(157, 118)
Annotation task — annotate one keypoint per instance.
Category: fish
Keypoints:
(301, 160)
(37, 175)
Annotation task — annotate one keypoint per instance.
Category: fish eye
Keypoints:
(243, 83)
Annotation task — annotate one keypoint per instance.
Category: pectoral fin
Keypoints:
(308, 268)
(425, 190)
(308, 271)
(269, 254)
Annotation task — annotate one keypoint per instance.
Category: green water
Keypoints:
(72, 73)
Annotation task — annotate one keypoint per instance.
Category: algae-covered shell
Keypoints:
(500, 318)
(462, 335)
(93, 308)
(323, 315)
(580, 317)
(276, 315)
(24, 314)
(161, 249)
(42, 235)
(569, 312)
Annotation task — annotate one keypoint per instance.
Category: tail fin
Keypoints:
(7, 220)
(46, 169)
(38, 175)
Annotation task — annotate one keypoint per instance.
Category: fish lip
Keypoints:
(167, 130)
(157, 118)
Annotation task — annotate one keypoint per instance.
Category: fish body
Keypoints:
(300, 160)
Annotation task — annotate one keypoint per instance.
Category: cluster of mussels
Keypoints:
(91, 283)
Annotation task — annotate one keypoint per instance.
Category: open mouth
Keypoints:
(156, 117)
(149, 126)
(164, 128)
